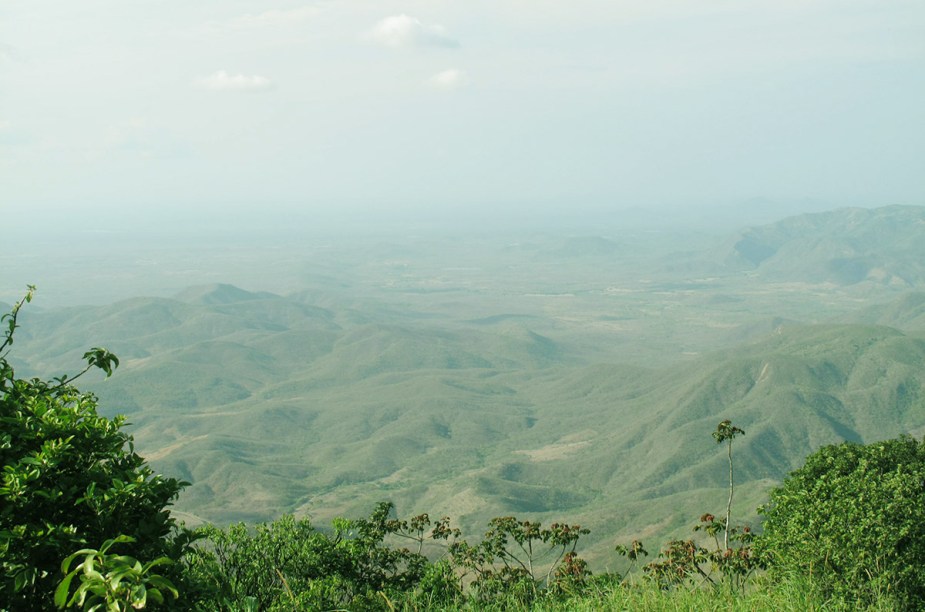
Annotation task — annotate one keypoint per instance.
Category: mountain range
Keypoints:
(560, 379)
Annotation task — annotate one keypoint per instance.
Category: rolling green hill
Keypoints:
(844, 247)
(330, 421)
(579, 391)
(906, 312)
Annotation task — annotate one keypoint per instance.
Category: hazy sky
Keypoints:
(458, 104)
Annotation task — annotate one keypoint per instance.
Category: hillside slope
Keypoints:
(847, 246)
(288, 408)
(577, 386)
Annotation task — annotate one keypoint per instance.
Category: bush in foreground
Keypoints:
(853, 519)
(70, 480)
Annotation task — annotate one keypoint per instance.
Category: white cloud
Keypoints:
(449, 79)
(223, 81)
(405, 31)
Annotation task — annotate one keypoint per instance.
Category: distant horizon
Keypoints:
(723, 216)
(77, 261)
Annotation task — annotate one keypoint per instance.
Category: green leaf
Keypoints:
(139, 596)
(156, 562)
(66, 564)
(62, 590)
(102, 359)
(155, 596)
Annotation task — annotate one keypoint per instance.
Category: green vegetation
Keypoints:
(854, 518)
(474, 420)
(726, 432)
(116, 582)
(68, 481)
(554, 383)
(528, 374)
(289, 565)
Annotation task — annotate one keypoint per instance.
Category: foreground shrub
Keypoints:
(522, 560)
(378, 563)
(114, 582)
(853, 520)
(730, 564)
(288, 564)
(70, 480)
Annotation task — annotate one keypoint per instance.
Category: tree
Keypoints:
(288, 564)
(853, 519)
(726, 432)
(519, 559)
(70, 479)
(683, 561)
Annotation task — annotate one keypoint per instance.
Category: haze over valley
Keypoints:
(538, 373)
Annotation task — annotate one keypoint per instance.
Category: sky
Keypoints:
(382, 107)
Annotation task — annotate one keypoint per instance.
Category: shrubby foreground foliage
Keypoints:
(70, 479)
(84, 522)
(853, 517)
(288, 564)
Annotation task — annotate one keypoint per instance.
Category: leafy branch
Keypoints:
(118, 582)
(96, 358)
(11, 317)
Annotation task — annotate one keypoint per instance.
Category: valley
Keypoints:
(549, 375)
